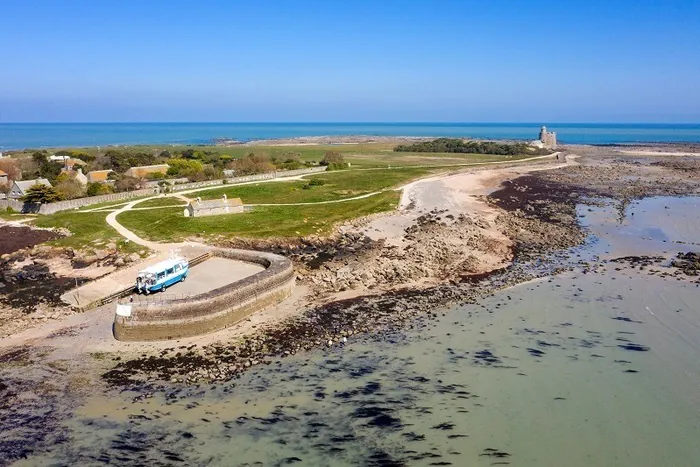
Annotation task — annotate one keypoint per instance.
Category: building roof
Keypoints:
(156, 166)
(98, 175)
(3, 174)
(24, 185)
(162, 266)
(216, 203)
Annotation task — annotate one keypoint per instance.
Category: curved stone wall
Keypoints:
(214, 310)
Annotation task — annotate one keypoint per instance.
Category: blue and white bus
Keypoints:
(162, 275)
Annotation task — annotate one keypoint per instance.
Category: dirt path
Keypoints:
(459, 193)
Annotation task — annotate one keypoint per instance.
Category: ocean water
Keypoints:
(45, 135)
(588, 368)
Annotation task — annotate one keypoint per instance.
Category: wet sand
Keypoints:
(595, 366)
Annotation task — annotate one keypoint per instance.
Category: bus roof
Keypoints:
(162, 266)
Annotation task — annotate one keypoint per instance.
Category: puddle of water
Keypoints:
(579, 370)
(650, 226)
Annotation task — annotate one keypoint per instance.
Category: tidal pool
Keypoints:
(594, 367)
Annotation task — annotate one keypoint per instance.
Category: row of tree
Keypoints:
(456, 145)
(193, 164)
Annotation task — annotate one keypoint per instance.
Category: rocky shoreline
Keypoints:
(538, 213)
(363, 285)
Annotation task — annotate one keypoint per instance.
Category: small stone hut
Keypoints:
(213, 207)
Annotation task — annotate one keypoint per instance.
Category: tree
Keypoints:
(212, 173)
(41, 194)
(124, 183)
(11, 168)
(46, 168)
(252, 164)
(155, 176)
(184, 167)
(332, 157)
(69, 188)
(96, 189)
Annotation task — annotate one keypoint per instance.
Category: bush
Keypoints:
(338, 166)
(456, 145)
(317, 182)
(97, 189)
(41, 194)
(252, 164)
(184, 167)
(332, 157)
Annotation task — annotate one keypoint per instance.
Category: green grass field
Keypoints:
(161, 202)
(268, 221)
(337, 185)
(89, 231)
(369, 174)
(359, 155)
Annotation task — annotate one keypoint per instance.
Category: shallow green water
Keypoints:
(537, 375)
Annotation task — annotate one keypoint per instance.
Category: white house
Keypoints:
(19, 187)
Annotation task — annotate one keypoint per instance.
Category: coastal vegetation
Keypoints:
(457, 145)
(41, 194)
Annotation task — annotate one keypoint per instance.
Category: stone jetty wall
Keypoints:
(214, 310)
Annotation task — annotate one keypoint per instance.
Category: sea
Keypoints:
(54, 135)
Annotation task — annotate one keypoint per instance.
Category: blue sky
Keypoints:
(284, 60)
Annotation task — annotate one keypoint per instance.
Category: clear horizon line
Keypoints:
(302, 122)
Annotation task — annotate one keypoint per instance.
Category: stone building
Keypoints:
(548, 138)
(19, 187)
(76, 175)
(213, 207)
(99, 176)
(142, 171)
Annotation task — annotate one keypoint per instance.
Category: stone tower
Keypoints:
(548, 138)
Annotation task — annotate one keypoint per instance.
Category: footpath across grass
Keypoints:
(89, 230)
(161, 202)
(331, 186)
(169, 225)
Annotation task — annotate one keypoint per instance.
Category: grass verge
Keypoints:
(168, 225)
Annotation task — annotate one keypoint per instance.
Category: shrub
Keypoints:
(338, 166)
(332, 157)
(96, 189)
(41, 194)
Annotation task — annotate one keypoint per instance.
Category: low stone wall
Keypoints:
(67, 205)
(12, 204)
(52, 208)
(211, 311)
(248, 178)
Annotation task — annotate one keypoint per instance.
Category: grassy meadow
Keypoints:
(169, 225)
(374, 168)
